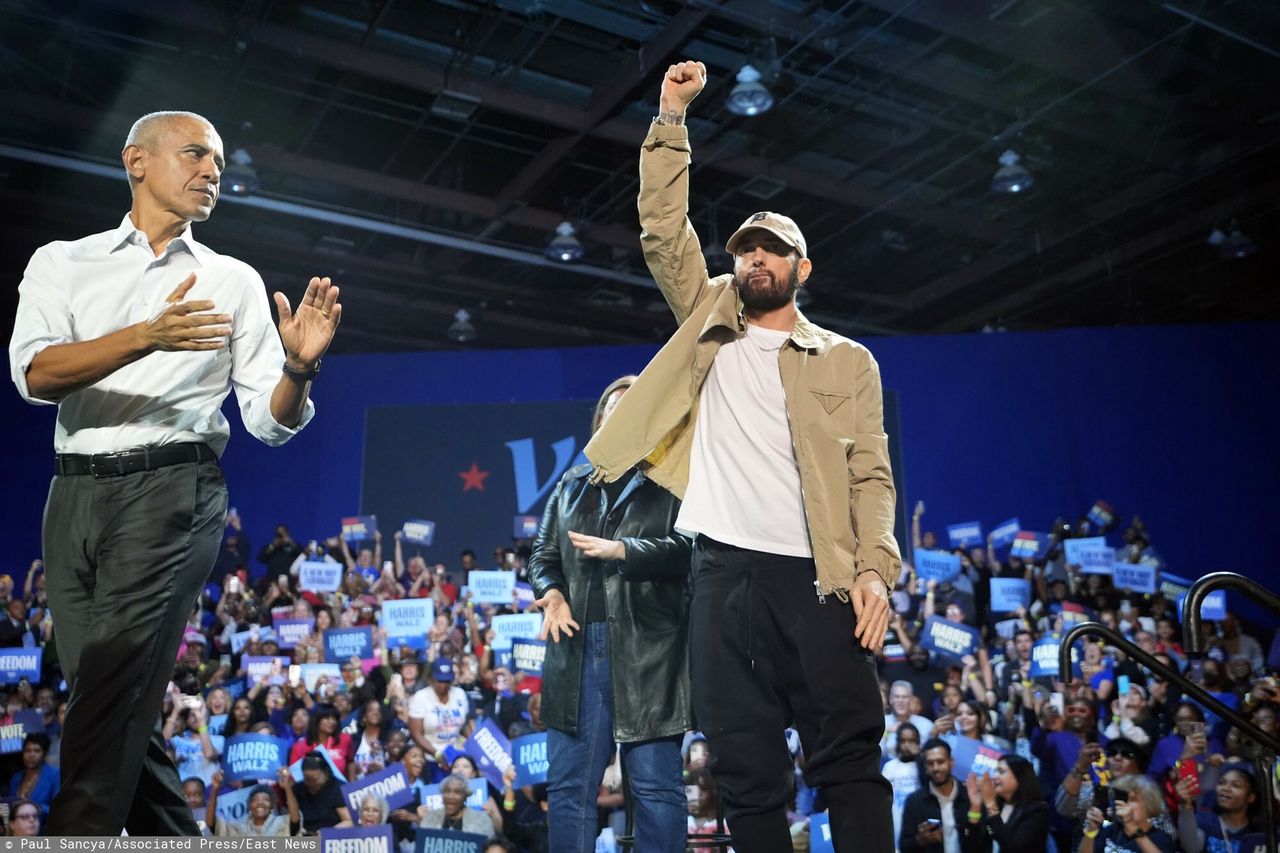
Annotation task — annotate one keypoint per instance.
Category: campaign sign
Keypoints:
(1029, 546)
(233, 805)
(937, 565)
(25, 722)
(1073, 547)
(293, 631)
(1173, 587)
(526, 526)
(1044, 657)
(1072, 613)
(1006, 628)
(965, 535)
(446, 841)
(319, 576)
(511, 626)
(216, 723)
(1097, 561)
(820, 833)
(972, 756)
(392, 783)
(526, 655)
(343, 643)
(357, 528)
(251, 757)
(18, 663)
(1134, 577)
(948, 638)
(295, 769)
(491, 587)
(1008, 594)
(491, 750)
(418, 532)
(240, 639)
(235, 688)
(268, 668)
(407, 621)
(1212, 607)
(1102, 514)
(434, 801)
(312, 673)
(530, 755)
(1004, 532)
(368, 839)
(524, 595)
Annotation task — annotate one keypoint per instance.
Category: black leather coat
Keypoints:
(647, 597)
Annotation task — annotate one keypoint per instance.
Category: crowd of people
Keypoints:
(980, 750)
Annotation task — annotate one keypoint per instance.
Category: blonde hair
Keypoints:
(1144, 788)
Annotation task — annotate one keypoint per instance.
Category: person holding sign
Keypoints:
(771, 430)
(455, 815)
(262, 820)
(137, 335)
(612, 578)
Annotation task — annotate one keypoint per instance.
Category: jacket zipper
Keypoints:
(804, 507)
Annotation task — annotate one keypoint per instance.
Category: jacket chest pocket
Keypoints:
(831, 410)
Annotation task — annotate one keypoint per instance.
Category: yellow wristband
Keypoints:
(1091, 833)
(974, 816)
(202, 730)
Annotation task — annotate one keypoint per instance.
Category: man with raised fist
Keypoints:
(771, 431)
(138, 369)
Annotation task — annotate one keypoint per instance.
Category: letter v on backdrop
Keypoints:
(524, 465)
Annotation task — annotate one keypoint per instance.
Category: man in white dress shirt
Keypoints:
(137, 335)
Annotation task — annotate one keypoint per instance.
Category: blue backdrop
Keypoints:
(1177, 424)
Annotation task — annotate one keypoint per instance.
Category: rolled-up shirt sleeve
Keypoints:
(43, 319)
(257, 362)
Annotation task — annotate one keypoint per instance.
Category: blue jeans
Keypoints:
(577, 765)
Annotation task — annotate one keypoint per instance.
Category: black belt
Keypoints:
(101, 465)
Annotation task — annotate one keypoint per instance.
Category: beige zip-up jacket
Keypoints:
(832, 387)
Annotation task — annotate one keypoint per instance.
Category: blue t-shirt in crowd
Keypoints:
(1112, 839)
(1217, 838)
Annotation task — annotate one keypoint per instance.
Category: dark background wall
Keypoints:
(1177, 424)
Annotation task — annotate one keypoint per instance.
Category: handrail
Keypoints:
(1269, 743)
(1192, 635)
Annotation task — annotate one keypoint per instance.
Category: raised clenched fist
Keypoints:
(681, 84)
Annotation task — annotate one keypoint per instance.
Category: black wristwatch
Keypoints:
(1138, 833)
(302, 374)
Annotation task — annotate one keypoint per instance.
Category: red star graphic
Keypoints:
(473, 478)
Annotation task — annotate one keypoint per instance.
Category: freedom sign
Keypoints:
(491, 750)
(526, 655)
(418, 532)
(948, 638)
(1134, 577)
(357, 528)
(319, 576)
(252, 757)
(1074, 547)
(937, 565)
(369, 839)
(444, 841)
(511, 626)
(293, 631)
(530, 755)
(391, 783)
(491, 587)
(1029, 545)
(18, 663)
(343, 643)
(1004, 532)
(965, 535)
(1008, 594)
(407, 621)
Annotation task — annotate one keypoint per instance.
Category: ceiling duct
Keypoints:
(454, 106)
(763, 188)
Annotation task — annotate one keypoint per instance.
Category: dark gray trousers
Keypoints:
(126, 558)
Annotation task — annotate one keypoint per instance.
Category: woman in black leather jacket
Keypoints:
(612, 578)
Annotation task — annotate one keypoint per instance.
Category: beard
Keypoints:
(766, 293)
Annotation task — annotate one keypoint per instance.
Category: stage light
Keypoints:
(240, 178)
(1011, 177)
(749, 97)
(462, 330)
(1233, 244)
(564, 247)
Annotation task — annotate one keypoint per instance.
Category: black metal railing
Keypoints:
(1192, 632)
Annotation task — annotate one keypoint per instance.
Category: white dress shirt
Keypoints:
(85, 289)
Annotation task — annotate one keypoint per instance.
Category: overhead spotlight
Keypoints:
(749, 97)
(1233, 243)
(240, 178)
(564, 247)
(1011, 177)
(462, 330)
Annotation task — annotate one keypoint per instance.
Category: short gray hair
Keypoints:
(1144, 788)
(378, 800)
(147, 128)
(910, 688)
(453, 780)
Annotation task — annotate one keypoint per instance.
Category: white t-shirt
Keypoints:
(441, 722)
(904, 776)
(744, 484)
